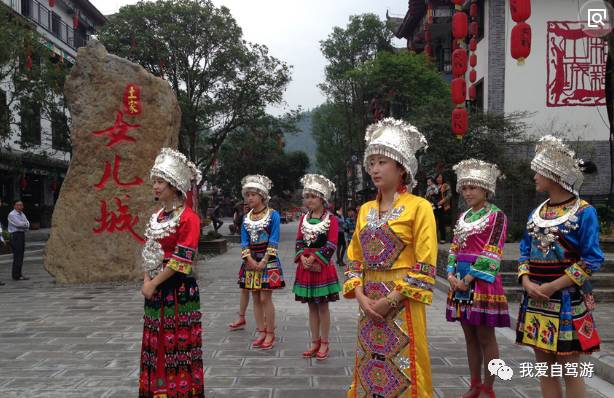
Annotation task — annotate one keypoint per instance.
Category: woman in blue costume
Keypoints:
(558, 254)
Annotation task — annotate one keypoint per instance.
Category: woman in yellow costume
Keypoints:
(391, 272)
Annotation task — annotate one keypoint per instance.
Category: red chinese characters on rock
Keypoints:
(118, 132)
(132, 99)
(117, 221)
(107, 174)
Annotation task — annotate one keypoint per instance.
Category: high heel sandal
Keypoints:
(238, 325)
(268, 346)
(310, 353)
(488, 390)
(324, 355)
(258, 342)
(475, 384)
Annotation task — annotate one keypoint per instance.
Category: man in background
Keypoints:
(18, 225)
(2, 241)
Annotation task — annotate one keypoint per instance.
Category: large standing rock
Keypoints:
(95, 234)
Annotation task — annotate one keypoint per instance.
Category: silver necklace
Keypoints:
(254, 227)
(375, 221)
(464, 229)
(546, 231)
(153, 254)
(311, 231)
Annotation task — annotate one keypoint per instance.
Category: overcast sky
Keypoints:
(292, 30)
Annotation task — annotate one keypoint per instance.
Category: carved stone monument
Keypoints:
(121, 117)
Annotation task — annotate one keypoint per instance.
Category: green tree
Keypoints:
(33, 77)
(261, 151)
(222, 82)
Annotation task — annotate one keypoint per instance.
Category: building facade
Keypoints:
(34, 159)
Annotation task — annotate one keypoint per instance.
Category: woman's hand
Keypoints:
(533, 290)
(148, 289)
(367, 306)
(547, 289)
(381, 306)
(453, 281)
(261, 265)
(251, 263)
(461, 286)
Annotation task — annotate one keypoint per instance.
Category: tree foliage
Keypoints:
(261, 151)
(222, 82)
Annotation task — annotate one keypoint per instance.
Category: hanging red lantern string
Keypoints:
(520, 41)
(28, 64)
(428, 49)
(458, 86)
(51, 3)
(75, 19)
(23, 182)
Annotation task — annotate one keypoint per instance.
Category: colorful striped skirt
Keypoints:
(316, 287)
(487, 308)
(171, 351)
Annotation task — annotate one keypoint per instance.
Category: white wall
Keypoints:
(526, 90)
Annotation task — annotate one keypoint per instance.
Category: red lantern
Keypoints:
(473, 44)
(520, 10)
(473, 10)
(458, 89)
(458, 4)
(460, 25)
(23, 183)
(427, 36)
(473, 60)
(459, 62)
(472, 92)
(460, 122)
(28, 64)
(75, 20)
(475, 28)
(428, 50)
(51, 3)
(473, 76)
(521, 41)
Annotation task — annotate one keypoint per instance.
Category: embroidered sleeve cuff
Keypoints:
(414, 290)
(184, 254)
(484, 269)
(451, 263)
(271, 251)
(245, 252)
(577, 274)
(325, 253)
(351, 283)
(179, 266)
(523, 269)
(299, 249)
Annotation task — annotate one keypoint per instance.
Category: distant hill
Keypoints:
(303, 140)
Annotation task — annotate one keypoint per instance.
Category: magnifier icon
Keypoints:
(596, 17)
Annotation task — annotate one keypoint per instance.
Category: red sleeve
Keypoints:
(188, 235)
(300, 243)
(324, 255)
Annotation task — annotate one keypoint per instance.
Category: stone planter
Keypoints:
(215, 246)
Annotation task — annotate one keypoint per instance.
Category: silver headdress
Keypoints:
(318, 185)
(477, 172)
(173, 167)
(397, 140)
(554, 160)
(257, 183)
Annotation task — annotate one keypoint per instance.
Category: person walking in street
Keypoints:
(391, 270)
(443, 207)
(18, 224)
(341, 245)
(217, 217)
(476, 298)
(558, 254)
(171, 350)
(261, 271)
(316, 280)
(432, 192)
(350, 225)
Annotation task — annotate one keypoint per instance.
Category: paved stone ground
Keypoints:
(84, 340)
